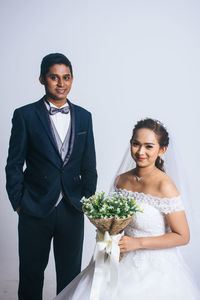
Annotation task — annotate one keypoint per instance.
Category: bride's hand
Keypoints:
(127, 244)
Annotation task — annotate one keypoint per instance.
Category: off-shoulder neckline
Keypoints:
(148, 195)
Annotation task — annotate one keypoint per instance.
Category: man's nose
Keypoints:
(60, 82)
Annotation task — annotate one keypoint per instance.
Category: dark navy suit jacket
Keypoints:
(36, 189)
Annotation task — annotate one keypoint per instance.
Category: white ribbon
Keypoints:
(106, 256)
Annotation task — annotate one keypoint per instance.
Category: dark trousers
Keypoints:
(65, 226)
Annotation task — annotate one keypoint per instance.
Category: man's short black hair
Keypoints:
(52, 59)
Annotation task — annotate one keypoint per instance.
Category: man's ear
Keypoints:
(41, 79)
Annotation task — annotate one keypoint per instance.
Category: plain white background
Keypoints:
(131, 59)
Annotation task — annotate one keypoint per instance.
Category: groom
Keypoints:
(55, 139)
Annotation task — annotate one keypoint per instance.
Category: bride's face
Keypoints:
(145, 147)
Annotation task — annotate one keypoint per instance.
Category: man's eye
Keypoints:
(53, 77)
(67, 77)
(149, 146)
(135, 144)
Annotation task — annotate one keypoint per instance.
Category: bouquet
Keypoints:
(110, 214)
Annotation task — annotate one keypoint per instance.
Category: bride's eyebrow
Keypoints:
(148, 143)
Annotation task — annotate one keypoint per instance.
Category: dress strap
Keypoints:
(164, 205)
(169, 205)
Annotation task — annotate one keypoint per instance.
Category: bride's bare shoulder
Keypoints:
(124, 178)
(166, 186)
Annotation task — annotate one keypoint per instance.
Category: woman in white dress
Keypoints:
(151, 267)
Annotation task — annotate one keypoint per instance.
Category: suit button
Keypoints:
(62, 170)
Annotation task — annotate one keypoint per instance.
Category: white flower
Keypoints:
(97, 205)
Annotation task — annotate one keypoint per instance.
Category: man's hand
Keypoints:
(18, 209)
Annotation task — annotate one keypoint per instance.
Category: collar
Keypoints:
(49, 104)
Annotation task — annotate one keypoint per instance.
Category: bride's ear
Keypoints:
(162, 151)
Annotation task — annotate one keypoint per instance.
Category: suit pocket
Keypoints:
(82, 132)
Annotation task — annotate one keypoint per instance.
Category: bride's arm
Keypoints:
(177, 221)
(179, 236)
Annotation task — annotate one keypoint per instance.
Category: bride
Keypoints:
(151, 267)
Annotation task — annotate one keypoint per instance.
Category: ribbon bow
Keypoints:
(54, 110)
(106, 258)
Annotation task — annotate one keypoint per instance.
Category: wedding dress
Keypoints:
(144, 274)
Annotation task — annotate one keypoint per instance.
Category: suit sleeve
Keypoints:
(88, 166)
(16, 158)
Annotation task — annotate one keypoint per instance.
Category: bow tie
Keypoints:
(54, 110)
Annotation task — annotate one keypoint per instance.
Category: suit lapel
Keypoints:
(42, 113)
(71, 143)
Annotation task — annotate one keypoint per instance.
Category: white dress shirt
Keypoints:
(60, 120)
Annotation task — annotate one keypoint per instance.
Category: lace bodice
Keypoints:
(152, 221)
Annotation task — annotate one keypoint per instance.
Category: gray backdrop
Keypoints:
(131, 59)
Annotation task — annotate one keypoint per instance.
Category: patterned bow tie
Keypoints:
(54, 110)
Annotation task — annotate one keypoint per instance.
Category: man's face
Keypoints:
(57, 82)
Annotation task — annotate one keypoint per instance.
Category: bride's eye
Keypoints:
(135, 144)
(149, 146)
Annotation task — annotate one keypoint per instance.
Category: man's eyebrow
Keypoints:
(55, 74)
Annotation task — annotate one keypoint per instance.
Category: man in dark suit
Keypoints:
(55, 139)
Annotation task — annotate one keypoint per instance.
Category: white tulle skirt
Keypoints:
(143, 275)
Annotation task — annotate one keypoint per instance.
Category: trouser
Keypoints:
(65, 226)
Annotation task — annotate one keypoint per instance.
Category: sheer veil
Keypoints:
(174, 168)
